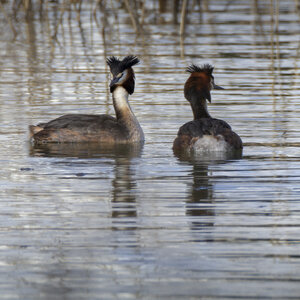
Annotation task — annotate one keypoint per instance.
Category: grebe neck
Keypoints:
(121, 104)
(199, 108)
(125, 114)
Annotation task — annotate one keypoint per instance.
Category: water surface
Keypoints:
(79, 222)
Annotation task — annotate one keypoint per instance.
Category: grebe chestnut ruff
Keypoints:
(204, 134)
(105, 129)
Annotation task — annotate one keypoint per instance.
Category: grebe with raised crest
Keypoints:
(123, 129)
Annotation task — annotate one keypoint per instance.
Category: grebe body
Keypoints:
(204, 134)
(74, 128)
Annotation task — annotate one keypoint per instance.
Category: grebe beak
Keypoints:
(217, 87)
(114, 81)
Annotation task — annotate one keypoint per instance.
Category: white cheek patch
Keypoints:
(123, 77)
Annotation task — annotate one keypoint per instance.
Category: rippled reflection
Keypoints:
(124, 182)
(199, 204)
(86, 150)
(200, 199)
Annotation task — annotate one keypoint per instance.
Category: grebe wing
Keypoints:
(80, 128)
(73, 121)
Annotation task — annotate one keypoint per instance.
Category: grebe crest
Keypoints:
(122, 72)
(204, 134)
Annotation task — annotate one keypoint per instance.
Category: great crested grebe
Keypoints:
(204, 134)
(123, 129)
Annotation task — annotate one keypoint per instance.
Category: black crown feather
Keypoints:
(206, 68)
(118, 66)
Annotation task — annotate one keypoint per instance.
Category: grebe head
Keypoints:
(122, 72)
(200, 83)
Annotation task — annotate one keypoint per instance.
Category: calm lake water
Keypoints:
(80, 223)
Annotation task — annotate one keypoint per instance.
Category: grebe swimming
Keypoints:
(74, 128)
(204, 134)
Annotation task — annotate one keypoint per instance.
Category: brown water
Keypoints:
(80, 223)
